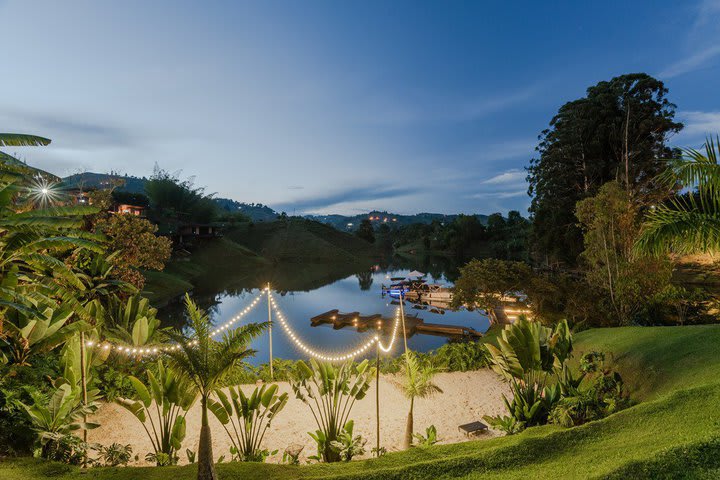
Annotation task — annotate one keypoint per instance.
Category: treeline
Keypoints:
(463, 238)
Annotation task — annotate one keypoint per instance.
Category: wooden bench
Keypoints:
(473, 428)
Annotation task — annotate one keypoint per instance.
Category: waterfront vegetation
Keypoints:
(595, 388)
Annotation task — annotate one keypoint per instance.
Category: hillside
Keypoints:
(672, 434)
(296, 254)
(350, 223)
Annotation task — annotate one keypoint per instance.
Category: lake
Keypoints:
(359, 292)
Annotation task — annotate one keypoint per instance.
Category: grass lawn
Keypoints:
(673, 433)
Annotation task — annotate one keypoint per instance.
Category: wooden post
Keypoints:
(377, 397)
(272, 375)
(83, 380)
(402, 317)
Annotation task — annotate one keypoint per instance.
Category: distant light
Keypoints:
(44, 191)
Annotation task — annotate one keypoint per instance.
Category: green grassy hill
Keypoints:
(293, 254)
(674, 432)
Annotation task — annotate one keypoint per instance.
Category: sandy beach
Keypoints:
(467, 397)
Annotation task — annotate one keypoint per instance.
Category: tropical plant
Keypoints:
(37, 328)
(604, 395)
(331, 391)
(115, 454)
(61, 415)
(427, 440)
(249, 417)
(348, 444)
(690, 222)
(528, 356)
(416, 382)
(134, 322)
(33, 242)
(161, 407)
(206, 363)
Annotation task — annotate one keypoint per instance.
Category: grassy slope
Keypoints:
(247, 250)
(672, 434)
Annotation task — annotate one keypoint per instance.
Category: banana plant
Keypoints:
(249, 417)
(331, 391)
(62, 415)
(528, 356)
(38, 328)
(161, 406)
(134, 322)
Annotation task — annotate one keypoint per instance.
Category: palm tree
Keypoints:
(206, 363)
(687, 223)
(416, 383)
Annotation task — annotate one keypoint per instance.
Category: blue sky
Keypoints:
(336, 106)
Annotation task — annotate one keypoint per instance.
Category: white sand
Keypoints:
(467, 397)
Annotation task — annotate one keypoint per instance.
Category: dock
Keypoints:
(413, 324)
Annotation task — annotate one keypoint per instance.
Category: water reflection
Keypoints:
(304, 291)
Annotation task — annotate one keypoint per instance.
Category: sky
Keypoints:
(336, 106)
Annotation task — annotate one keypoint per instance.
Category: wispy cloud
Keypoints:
(512, 176)
(350, 195)
(691, 63)
(424, 108)
(700, 124)
(702, 41)
(499, 195)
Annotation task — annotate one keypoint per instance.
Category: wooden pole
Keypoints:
(83, 380)
(272, 375)
(402, 317)
(377, 397)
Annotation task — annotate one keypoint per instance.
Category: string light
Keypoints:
(135, 351)
(327, 357)
(139, 351)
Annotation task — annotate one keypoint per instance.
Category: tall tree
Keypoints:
(618, 131)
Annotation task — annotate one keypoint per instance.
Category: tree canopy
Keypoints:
(618, 131)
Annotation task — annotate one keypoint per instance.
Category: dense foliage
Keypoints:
(618, 131)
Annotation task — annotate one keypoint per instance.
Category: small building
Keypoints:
(192, 231)
(126, 209)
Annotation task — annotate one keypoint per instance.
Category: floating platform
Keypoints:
(413, 324)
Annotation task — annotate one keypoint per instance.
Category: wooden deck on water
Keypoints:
(413, 324)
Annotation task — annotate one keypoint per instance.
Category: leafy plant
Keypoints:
(66, 448)
(134, 322)
(529, 354)
(331, 391)
(115, 454)
(249, 417)
(427, 440)
(60, 416)
(291, 455)
(348, 445)
(162, 405)
(161, 459)
(506, 423)
(190, 454)
(38, 328)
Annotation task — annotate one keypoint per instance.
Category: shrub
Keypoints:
(115, 454)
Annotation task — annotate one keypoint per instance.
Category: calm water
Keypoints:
(357, 292)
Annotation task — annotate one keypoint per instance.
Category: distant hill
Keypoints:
(90, 180)
(256, 211)
(350, 223)
(10, 160)
(259, 212)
